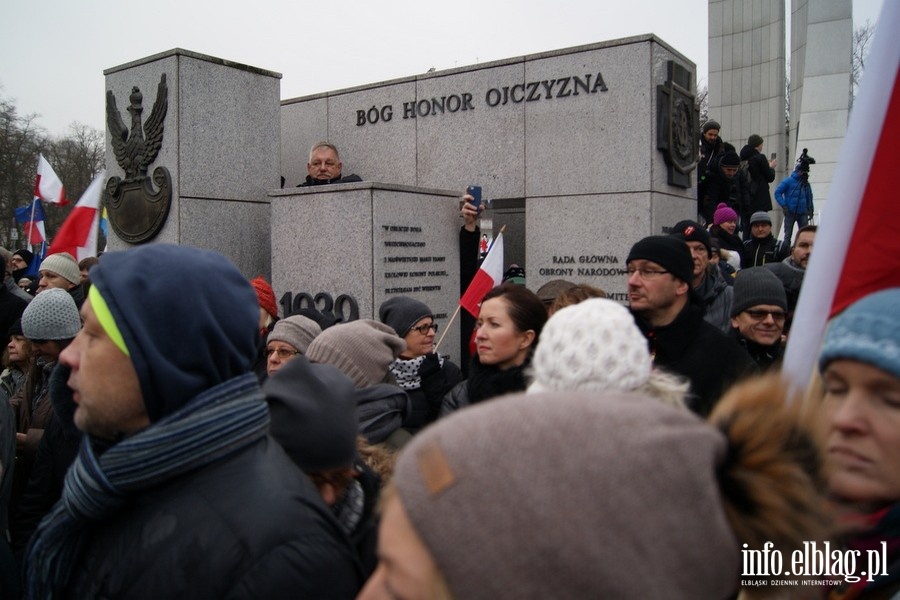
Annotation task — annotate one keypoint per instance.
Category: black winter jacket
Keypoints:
(691, 347)
(251, 525)
(761, 175)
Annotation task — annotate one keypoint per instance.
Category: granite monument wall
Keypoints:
(574, 133)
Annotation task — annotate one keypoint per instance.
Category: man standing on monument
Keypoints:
(708, 283)
(178, 491)
(660, 269)
(324, 166)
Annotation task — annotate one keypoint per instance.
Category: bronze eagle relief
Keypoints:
(138, 205)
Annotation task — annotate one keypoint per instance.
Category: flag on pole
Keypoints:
(47, 186)
(858, 246)
(489, 274)
(32, 219)
(78, 235)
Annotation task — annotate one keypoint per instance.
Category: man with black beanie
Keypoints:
(178, 491)
(660, 271)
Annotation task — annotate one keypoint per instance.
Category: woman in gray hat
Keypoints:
(425, 375)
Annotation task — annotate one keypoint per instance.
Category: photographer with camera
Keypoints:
(795, 196)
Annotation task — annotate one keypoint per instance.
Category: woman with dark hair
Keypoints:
(506, 332)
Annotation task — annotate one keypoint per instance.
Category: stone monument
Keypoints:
(219, 144)
(567, 144)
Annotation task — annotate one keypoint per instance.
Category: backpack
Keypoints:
(744, 171)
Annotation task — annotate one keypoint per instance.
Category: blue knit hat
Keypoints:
(187, 316)
(867, 331)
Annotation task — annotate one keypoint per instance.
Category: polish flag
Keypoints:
(47, 185)
(857, 250)
(489, 274)
(32, 219)
(78, 235)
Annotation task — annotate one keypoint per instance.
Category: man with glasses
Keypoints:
(325, 166)
(289, 337)
(792, 269)
(758, 315)
(660, 270)
(708, 282)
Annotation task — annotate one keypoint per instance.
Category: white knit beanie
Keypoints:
(64, 265)
(593, 345)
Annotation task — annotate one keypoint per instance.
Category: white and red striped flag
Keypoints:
(857, 250)
(78, 235)
(489, 274)
(47, 186)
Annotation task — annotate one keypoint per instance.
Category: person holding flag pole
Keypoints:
(509, 320)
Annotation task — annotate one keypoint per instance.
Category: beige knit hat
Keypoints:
(561, 496)
(296, 330)
(64, 265)
(363, 350)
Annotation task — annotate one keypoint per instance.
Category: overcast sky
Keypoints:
(53, 52)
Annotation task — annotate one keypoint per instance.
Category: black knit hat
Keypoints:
(668, 252)
(15, 328)
(26, 255)
(313, 410)
(730, 159)
(402, 312)
(691, 231)
(755, 286)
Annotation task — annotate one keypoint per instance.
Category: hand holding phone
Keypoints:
(475, 192)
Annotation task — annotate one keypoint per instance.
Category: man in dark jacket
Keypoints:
(708, 284)
(758, 315)
(711, 149)
(762, 248)
(724, 185)
(660, 269)
(325, 166)
(762, 173)
(178, 491)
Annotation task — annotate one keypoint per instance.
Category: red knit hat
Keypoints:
(266, 296)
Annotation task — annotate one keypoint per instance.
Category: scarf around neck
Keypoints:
(875, 528)
(406, 371)
(218, 422)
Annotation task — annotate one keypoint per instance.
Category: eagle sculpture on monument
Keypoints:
(137, 212)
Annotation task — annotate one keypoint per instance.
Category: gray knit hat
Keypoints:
(478, 484)
(296, 330)
(363, 350)
(64, 265)
(402, 312)
(313, 409)
(760, 216)
(52, 315)
(757, 285)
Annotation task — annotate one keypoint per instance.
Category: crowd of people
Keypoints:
(167, 435)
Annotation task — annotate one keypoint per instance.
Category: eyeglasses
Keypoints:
(424, 329)
(282, 353)
(645, 273)
(760, 315)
